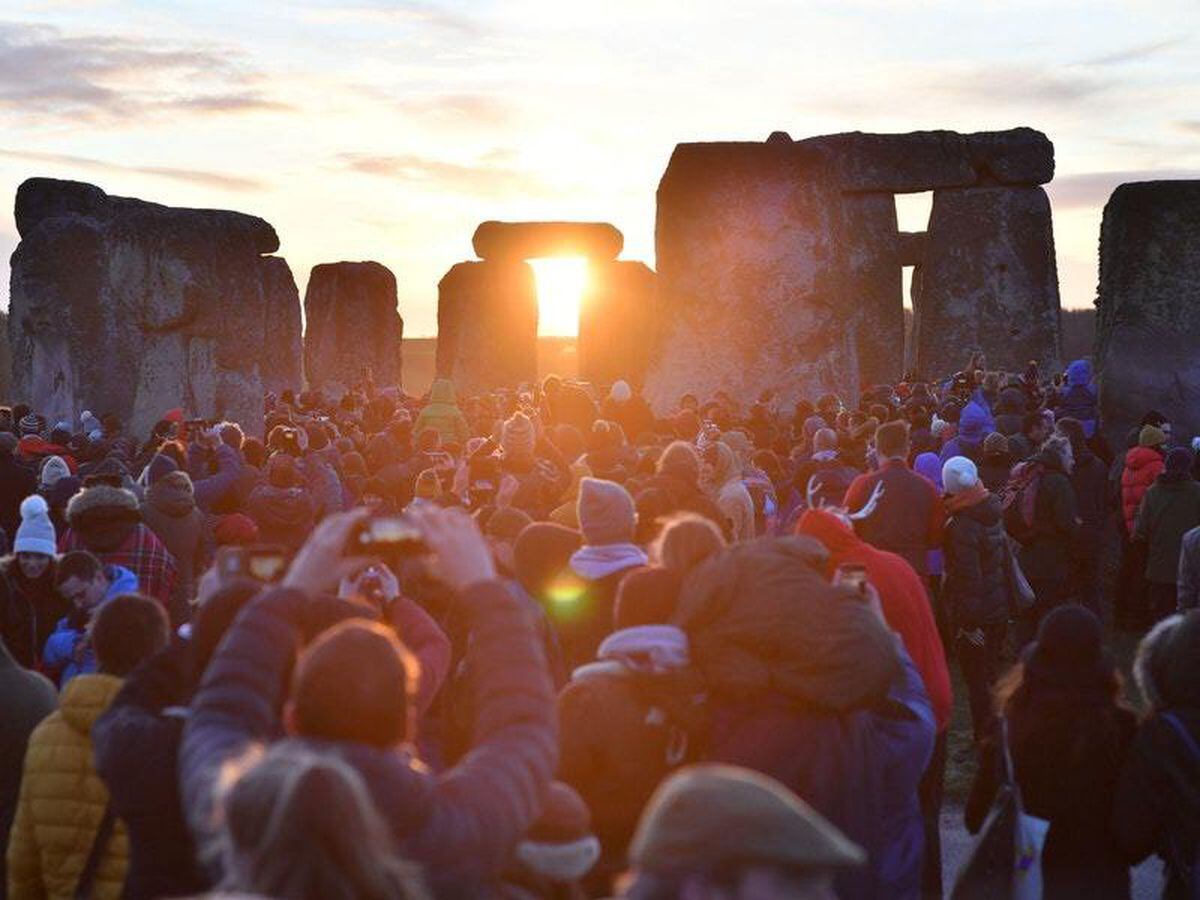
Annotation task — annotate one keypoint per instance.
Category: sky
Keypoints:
(389, 130)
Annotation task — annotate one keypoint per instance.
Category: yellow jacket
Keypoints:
(62, 801)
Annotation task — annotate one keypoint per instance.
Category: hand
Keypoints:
(462, 555)
(507, 490)
(321, 564)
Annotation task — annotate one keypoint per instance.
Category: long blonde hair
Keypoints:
(301, 826)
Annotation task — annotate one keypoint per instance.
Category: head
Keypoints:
(35, 535)
(518, 437)
(298, 825)
(127, 631)
(231, 434)
(282, 471)
(503, 528)
(354, 683)
(724, 832)
(1035, 427)
(825, 441)
(959, 474)
(80, 580)
(214, 615)
(681, 460)
(254, 452)
(995, 445)
(719, 465)
(607, 514)
(1167, 666)
(647, 596)
(891, 440)
(1058, 447)
(685, 541)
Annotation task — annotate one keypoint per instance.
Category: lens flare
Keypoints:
(565, 594)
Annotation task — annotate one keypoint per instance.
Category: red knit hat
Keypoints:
(235, 529)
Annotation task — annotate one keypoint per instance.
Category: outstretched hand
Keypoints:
(462, 555)
(321, 564)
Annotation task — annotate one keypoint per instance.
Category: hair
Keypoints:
(891, 440)
(77, 564)
(128, 630)
(355, 683)
(254, 452)
(1029, 421)
(1165, 668)
(686, 540)
(231, 433)
(681, 458)
(298, 825)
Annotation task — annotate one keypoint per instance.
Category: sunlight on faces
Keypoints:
(561, 284)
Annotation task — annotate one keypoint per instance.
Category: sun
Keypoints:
(561, 284)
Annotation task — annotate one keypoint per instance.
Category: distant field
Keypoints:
(555, 355)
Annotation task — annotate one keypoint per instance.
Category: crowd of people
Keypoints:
(546, 643)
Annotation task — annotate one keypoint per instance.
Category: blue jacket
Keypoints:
(860, 770)
(1077, 398)
(462, 824)
(60, 646)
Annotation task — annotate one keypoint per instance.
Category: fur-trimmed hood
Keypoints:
(103, 516)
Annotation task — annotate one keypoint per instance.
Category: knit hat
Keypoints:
(31, 424)
(646, 596)
(559, 845)
(428, 486)
(507, 523)
(621, 392)
(160, 466)
(1179, 462)
(1069, 651)
(958, 474)
(35, 534)
(606, 512)
(1149, 436)
(703, 816)
(54, 469)
(517, 436)
(995, 444)
(236, 529)
(90, 424)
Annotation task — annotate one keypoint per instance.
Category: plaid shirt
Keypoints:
(143, 554)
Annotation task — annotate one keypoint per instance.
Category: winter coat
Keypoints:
(58, 657)
(902, 595)
(571, 406)
(994, 470)
(1077, 398)
(976, 590)
(833, 477)
(169, 510)
(1046, 556)
(62, 803)
(907, 521)
(25, 699)
(324, 485)
(583, 623)
(761, 616)
(459, 825)
(1142, 466)
(1188, 583)
(442, 415)
(16, 483)
(1089, 478)
(29, 612)
(737, 508)
(1157, 808)
(686, 496)
(633, 415)
(214, 489)
(1169, 510)
(284, 515)
(859, 769)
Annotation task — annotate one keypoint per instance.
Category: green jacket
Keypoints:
(443, 415)
(1169, 509)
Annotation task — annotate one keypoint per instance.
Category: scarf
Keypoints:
(647, 648)
(593, 562)
(976, 493)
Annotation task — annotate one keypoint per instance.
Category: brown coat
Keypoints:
(170, 511)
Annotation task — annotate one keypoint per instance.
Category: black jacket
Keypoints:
(16, 483)
(29, 612)
(1090, 480)
(976, 590)
(1055, 523)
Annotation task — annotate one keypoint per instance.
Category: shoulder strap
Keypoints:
(1184, 735)
(83, 890)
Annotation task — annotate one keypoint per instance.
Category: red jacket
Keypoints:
(901, 594)
(1142, 466)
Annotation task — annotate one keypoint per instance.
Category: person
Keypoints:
(1157, 808)
(1069, 734)
(1089, 478)
(686, 844)
(282, 507)
(30, 607)
(16, 483)
(214, 463)
(1034, 431)
(556, 853)
(1188, 580)
(628, 409)
(567, 404)
(974, 424)
(1077, 398)
(722, 477)
(300, 825)
(348, 694)
(1169, 510)
(1143, 464)
(107, 521)
(63, 813)
(26, 698)
(908, 516)
(995, 463)
(442, 414)
(677, 474)
(534, 475)
(169, 510)
(833, 475)
(87, 584)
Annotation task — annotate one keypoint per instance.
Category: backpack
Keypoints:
(1018, 500)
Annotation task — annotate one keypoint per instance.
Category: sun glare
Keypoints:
(561, 283)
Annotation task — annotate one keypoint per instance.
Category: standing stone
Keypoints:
(487, 325)
(1148, 323)
(988, 282)
(352, 324)
(874, 285)
(127, 307)
(616, 322)
(531, 240)
(283, 355)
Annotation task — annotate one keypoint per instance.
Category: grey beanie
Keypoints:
(606, 512)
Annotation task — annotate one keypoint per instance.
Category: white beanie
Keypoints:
(621, 392)
(54, 469)
(35, 534)
(958, 474)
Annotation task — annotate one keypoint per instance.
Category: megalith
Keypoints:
(616, 322)
(1148, 307)
(988, 282)
(352, 324)
(128, 307)
(283, 354)
(487, 325)
(516, 241)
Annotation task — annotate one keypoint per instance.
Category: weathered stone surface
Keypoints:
(283, 356)
(911, 247)
(988, 282)
(487, 325)
(1019, 156)
(1148, 323)
(352, 324)
(529, 240)
(749, 275)
(616, 323)
(129, 307)
(874, 286)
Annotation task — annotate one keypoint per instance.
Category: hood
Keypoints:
(120, 581)
(929, 467)
(33, 445)
(172, 495)
(104, 516)
(974, 423)
(85, 698)
(442, 392)
(1143, 457)
(1079, 373)
(831, 531)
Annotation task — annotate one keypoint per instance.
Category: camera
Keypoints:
(265, 563)
(389, 538)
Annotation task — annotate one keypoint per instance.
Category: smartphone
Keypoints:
(265, 563)
(852, 576)
(387, 537)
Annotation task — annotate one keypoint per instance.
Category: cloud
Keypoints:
(1135, 54)
(459, 109)
(1188, 126)
(398, 12)
(208, 179)
(1092, 189)
(47, 74)
(479, 178)
(1018, 84)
